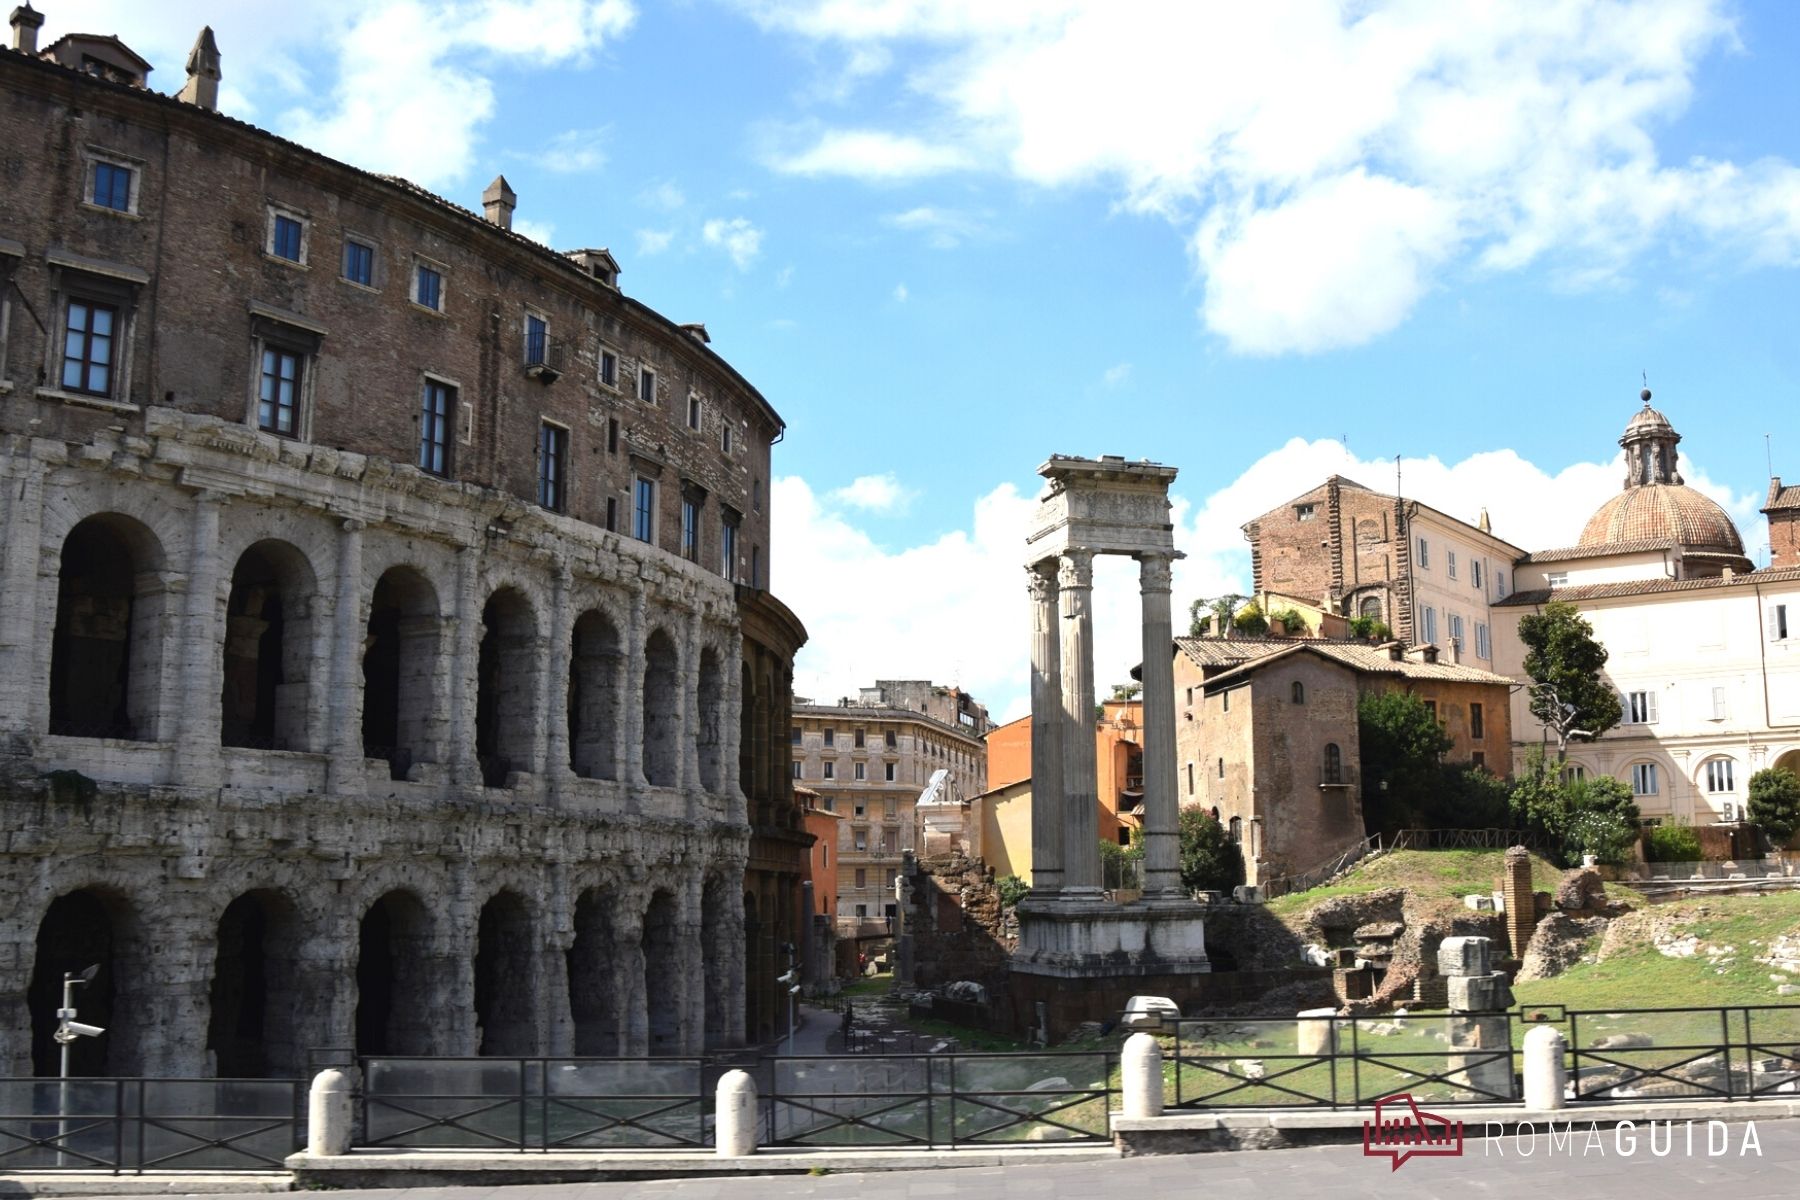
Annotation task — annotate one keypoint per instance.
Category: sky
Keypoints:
(1260, 243)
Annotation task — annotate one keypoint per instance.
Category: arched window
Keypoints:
(1237, 829)
(1299, 692)
(1334, 763)
(1719, 776)
(1371, 606)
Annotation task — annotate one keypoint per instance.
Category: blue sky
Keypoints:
(1259, 242)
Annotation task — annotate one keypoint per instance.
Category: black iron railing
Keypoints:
(128, 1126)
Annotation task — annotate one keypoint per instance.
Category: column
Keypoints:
(628, 978)
(20, 614)
(1080, 807)
(687, 769)
(1046, 732)
(694, 965)
(559, 938)
(1162, 841)
(465, 663)
(345, 772)
(631, 696)
(730, 782)
(196, 698)
(557, 666)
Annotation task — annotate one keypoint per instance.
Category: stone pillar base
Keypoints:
(1081, 961)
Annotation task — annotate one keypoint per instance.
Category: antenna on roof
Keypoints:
(1769, 452)
(1397, 492)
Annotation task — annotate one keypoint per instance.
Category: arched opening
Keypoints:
(1297, 693)
(78, 931)
(506, 977)
(251, 1032)
(593, 976)
(755, 1029)
(662, 710)
(664, 984)
(596, 676)
(399, 670)
(395, 1002)
(710, 705)
(506, 688)
(1334, 763)
(1370, 607)
(105, 651)
(268, 639)
(715, 942)
(747, 781)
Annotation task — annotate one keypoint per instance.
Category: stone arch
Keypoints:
(506, 687)
(106, 650)
(596, 691)
(662, 710)
(253, 1027)
(506, 976)
(710, 707)
(1729, 772)
(397, 977)
(664, 985)
(1369, 606)
(594, 964)
(400, 663)
(82, 928)
(268, 649)
(1787, 760)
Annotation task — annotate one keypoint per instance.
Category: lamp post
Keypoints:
(790, 980)
(68, 1029)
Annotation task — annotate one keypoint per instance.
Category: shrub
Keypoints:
(1775, 803)
(1291, 620)
(1012, 890)
(1250, 620)
(1672, 843)
(1210, 860)
(1603, 833)
(1373, 628)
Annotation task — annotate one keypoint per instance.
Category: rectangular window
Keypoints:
(88, 348)
(857, 809)
(1478, 759)
(1456, 628)
(1718, 775)
(1778, 625)
(643, 512)
(1643, 779)
(1475, 572)
(359, 263)
(693, 412)
(1190, 768)
(796, 770)
(278, 394)
(609, 367)
(1640, 708)
(862, 875)
(428, 288)
(889, 769)
(831, 770)
(1430, 626)
(112, 186)
(1477, 722)
(553, 466)
(728, 548)
(858, 738)
(1718, 704)
(1556, 579)
(794, 735)
(862, 910)
(831, 737)
(287, 238)
(1224, 701)
(889, 808)
(434, 427)
(612, 435)
(1424, 554)
(1484, 647)
(1305, 512)
(893, 876)
(755, 566)
(1500, 583)
(612, 514)
(891, 740)
(1221, 768)
(646, 385)
(690, 530)
(537, 340)
(725, 445)
(1450, 563)
(860, 772)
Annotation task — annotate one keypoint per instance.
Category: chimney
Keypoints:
(1427, 653)
(1396, 651)
(26, 21)
(499, 201)
(202, 86)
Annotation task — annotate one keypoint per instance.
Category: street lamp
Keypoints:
(790, 980)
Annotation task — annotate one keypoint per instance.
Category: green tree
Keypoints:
(1012, 890)
(1582, 815)
(1127, 691)
(1672, 843)
(1292, 623)
(1210, 860)
(1565, 662)
(1206, 615)
(1402, 748)
(1470, 797)
(1601, 832)
(1250, 620)
(1372, 628)
(1775, 803)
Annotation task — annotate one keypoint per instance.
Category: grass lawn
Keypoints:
(1450, 874)
(873, 985)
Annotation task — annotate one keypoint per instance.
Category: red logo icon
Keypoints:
(1400, 1130)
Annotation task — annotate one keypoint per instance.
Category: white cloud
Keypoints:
(954, 608)
(573, 152)
(651, 242)
(1332, 164)
(664, 195)
(872, 155)
(541, 232)
(900, 293)
(737, 237)
(943, 228)
(874, 493)
(1116, 375)
(414, 88)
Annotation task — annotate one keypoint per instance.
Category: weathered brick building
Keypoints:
(385, 660)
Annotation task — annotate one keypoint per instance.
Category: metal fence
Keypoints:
(1743, 1052)
(942, 1101)
(538, 1103)
(1342, 1062)
(128, 1126)
(1743, 868)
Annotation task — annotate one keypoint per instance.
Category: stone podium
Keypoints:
(1079, 955)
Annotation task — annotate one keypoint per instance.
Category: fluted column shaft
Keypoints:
(1162, 846)
(346, 774)
(197, 752)
(1046, 732)
(1080, 802)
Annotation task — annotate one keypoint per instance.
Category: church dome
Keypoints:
(1664, 512)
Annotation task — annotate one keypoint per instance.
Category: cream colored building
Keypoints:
(1704, 651)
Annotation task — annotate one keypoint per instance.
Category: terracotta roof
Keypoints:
(1645, 587)
(1782, 497)
(1671, 512)
(1599, 550)
(1228, 652)
(1368, 660)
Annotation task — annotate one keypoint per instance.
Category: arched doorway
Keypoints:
(665, 987)
(394, 993)
(251, 1032)
(596, 674)
(268, 639)
(715, 944)
(80, 930)
(400, 669)
(710, 707)
(506, 688)
(104, 652)
(593, 976)
(505, 977)
(662, 710)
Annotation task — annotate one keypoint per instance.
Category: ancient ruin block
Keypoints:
(1479, 993)
(1465, 956)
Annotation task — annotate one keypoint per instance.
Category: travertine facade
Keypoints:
(384, 664)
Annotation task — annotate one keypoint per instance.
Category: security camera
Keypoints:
(794, 991)
(71, 1030)
(789, 977)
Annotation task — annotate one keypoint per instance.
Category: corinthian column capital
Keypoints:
(1076, 569)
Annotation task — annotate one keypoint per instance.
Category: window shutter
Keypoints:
(1650, 707)
(1774, 609)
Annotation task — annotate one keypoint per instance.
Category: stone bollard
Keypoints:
(1316, 1031)
(331, 1114)
(1546, 1074)
(734, 1126)
(1141, 1083)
